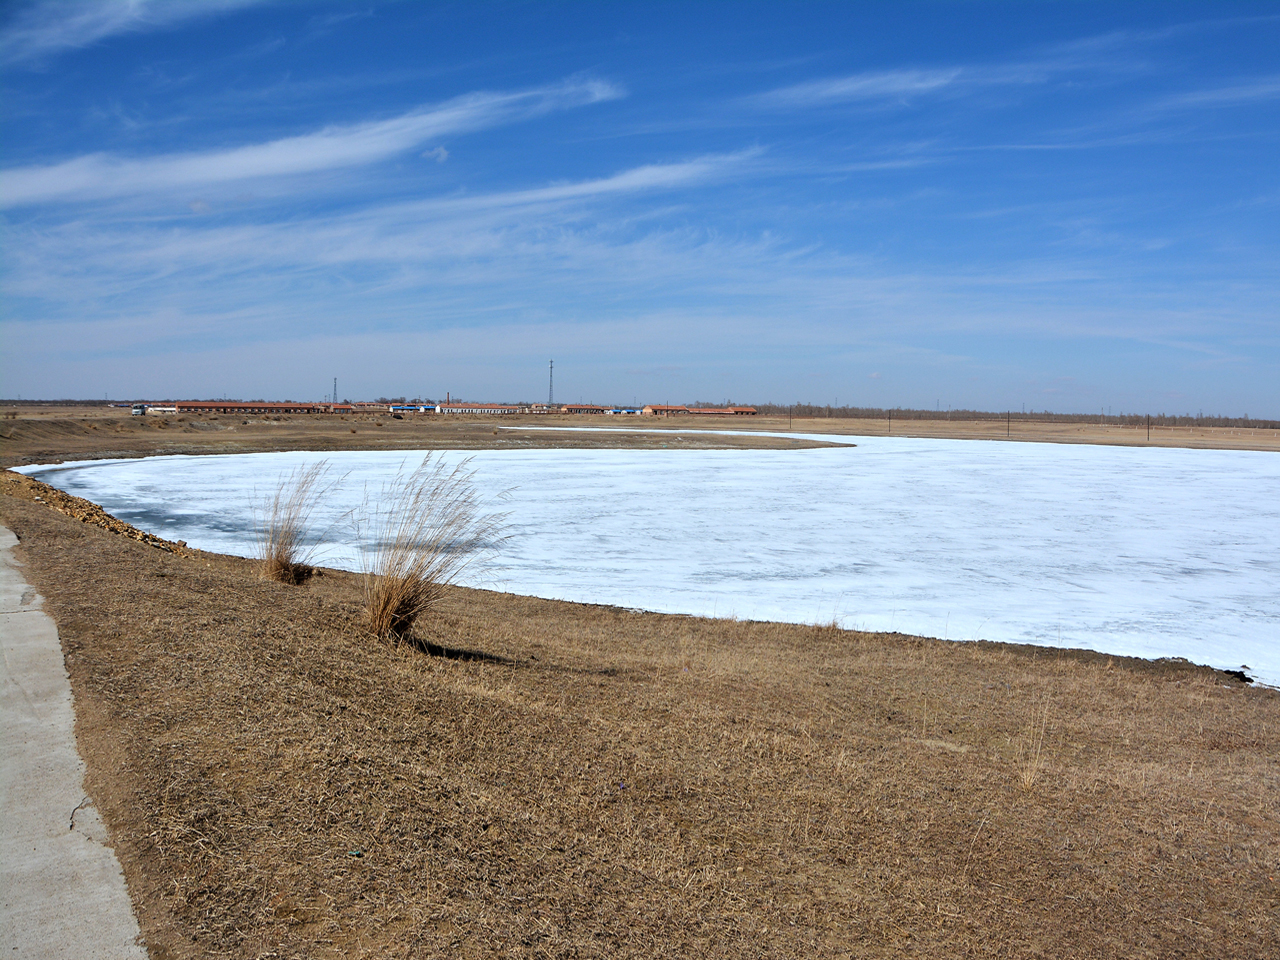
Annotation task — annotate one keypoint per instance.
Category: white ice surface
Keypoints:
(1144, 552)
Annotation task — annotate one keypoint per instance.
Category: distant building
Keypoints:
(723, 411)
(499, 409)
(227, 406)
(665, 410)
(662, 410)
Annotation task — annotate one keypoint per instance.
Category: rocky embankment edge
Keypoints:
(22, 487)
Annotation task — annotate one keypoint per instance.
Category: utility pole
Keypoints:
(1008, 424)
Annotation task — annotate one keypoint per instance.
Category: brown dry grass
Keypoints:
(561, 780)
(427, 528)
(286, 543)
(1222, 438)
(1225, 438)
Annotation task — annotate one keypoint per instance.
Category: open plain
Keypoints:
(535, 778)
(50, 433)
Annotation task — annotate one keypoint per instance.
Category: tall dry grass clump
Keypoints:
(285, 544)
(423, 532)
(1031, 749)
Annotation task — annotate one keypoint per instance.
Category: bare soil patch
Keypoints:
(531, 778)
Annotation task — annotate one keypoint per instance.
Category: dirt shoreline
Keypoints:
(563, 779)
(56, 434)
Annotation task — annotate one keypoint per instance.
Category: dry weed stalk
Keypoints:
(1033, 749)
(285, 546)
(423, 532)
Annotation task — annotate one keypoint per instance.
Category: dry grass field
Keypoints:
(1222, 438)
(530, 778)
(50, 434)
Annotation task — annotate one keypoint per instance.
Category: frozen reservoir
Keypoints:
(1138, 551)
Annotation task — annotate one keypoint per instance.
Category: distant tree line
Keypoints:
(806, 410)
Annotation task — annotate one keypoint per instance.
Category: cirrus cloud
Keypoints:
(101, 175)
(41, 29)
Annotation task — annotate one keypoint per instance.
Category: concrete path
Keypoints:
(61, 891)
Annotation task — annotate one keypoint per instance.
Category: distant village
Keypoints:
(445, 407)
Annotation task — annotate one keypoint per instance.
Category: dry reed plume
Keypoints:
(422, 533)
(1032, 749)
(285, 547)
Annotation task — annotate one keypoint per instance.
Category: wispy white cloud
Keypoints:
(534, 269)
(899, 87)
(404, 243)
(882, 86)
(325, 22)
(1104, 56)
(1261, 90)
(102, 175)
(47, 27)
(654, 176)
(566, 251)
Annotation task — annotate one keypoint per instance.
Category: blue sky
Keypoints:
(1056, 206)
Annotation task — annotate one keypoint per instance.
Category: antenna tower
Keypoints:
(551, 383)
(335, 389)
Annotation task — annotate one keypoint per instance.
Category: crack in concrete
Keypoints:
(76, 809)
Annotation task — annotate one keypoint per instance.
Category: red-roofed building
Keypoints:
(228, 406)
